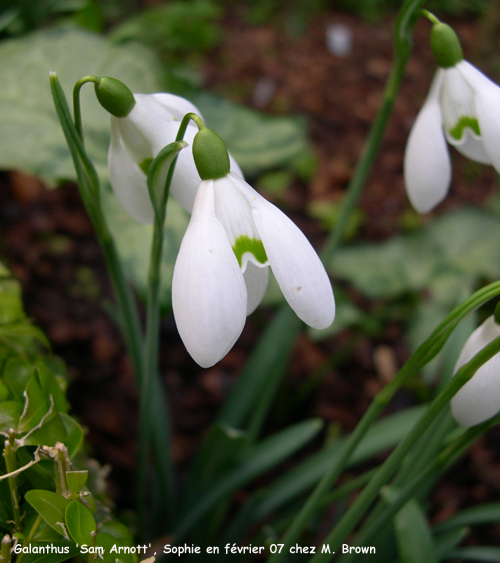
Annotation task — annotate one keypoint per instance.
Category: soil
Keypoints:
(48, 242)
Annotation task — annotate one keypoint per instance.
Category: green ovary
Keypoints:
(246, 244)
(145, 164)
(458, 130)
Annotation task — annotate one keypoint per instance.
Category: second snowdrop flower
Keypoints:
(221, 271)
(141, 125)
(463, 109)
(479, 399)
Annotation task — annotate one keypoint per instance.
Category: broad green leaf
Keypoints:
(80, 522)
(118, 531)
(16, 375)
(482, 514)
(111, 546)
(23, 330)
(10, 411)
(74, 434)
(30, 136)
(389, 269)
(52, 430)
(50, 506)
(133, 240)
(174, 27)
(36, 407)
(413, 535)
(63, 550)
(50, 385)
(76, 480)
(258, 142)
(485, 554)
(11, 306)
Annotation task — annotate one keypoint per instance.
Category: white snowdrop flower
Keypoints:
(479, 399)
(463, 108)
(221, 272)
(137, 138)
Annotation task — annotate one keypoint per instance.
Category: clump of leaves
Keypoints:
(46, 510)
(175, 28)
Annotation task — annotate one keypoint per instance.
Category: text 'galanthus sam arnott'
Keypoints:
(221, 272)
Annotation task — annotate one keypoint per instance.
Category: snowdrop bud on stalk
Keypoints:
(221, 272)
(463, 108)
(479, 399)
(141, 125)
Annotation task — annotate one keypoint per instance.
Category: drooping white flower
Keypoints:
(137, 138)
(479, 399)
(221, 271)
(463, 108)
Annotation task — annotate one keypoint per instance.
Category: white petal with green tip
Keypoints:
(487, 102)
(298, 270)
(208, 290)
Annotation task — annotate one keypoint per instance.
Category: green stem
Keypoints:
(30, 536)
(130, 326)
(364, 500)
(358, 181)
(76, 101)
(151, 347)
(9, 454)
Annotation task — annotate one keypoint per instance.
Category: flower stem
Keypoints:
(9, 454)
(402, 52)
(130, 325)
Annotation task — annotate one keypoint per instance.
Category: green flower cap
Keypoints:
(114, 96)
(445, 45)
(210, 155)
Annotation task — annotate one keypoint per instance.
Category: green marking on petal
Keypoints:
(145, 164)
(246, 244)
(458, 130)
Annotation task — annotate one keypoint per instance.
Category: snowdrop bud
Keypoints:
(114, 96)
(210, 155)
(445, 45)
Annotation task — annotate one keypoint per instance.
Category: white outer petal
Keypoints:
(295, 264)
(427, 166)
(209, 296)
(256, 279)
(487, 101)
(128, 180)
(145, 128)
(176, 105)
(479, 399)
